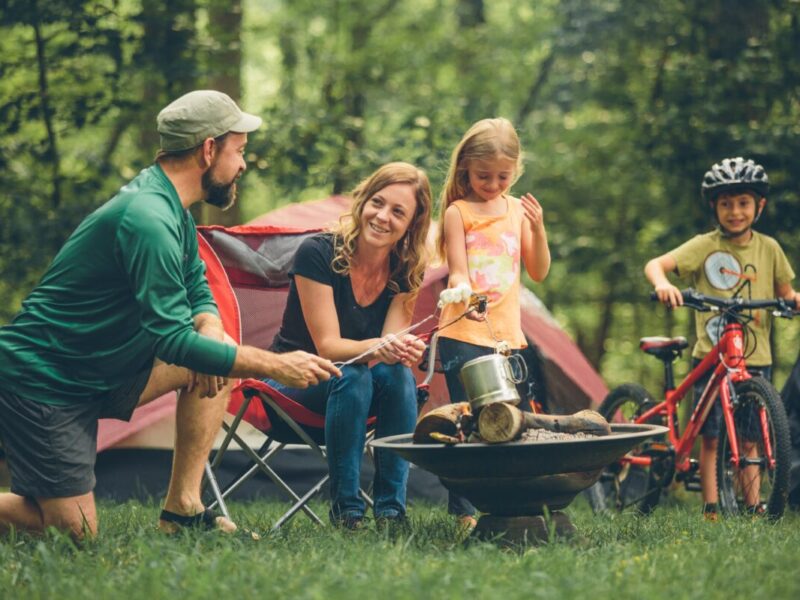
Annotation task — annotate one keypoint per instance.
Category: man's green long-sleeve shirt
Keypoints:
(123, 290)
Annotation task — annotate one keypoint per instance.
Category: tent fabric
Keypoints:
(254, 259)
(111, 432)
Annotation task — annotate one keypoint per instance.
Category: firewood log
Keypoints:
(445, 420)
(503, 422)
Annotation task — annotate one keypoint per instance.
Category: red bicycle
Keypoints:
(753, 456)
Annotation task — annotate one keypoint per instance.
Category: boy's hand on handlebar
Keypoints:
(669, 295)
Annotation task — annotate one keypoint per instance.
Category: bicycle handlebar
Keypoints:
(703, 303)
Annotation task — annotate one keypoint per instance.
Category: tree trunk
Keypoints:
(47, 111)
(224, 65)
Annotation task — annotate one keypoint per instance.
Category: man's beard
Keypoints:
(221, 195)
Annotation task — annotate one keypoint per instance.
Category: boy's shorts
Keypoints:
(51, 450)
(713, 424)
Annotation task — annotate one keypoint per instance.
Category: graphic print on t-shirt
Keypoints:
(724, 272)
(493, 263)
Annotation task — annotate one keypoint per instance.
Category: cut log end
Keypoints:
(500, 422)
(444, 420)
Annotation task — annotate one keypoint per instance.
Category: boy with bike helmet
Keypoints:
(734, 260)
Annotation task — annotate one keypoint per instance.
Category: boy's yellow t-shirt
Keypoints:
(493, 246)
(714, 266)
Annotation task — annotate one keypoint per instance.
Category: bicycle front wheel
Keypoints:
(756, 484)
(624, 484)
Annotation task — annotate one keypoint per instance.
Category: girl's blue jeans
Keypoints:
(388, 392)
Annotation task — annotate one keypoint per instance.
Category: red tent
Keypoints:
(567, 379)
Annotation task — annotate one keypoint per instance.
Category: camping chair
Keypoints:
(247, 270)
(282, 421)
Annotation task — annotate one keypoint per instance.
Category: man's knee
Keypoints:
(76, 516)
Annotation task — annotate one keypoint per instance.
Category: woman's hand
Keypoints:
(414, 349)
(406, 350)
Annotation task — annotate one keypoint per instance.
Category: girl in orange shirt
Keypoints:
(485, 232)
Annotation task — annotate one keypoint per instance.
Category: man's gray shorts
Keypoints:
(51, 450)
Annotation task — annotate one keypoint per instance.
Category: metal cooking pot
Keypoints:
(492, 378)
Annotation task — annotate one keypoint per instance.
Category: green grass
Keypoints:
(671, 554)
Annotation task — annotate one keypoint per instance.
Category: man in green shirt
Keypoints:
(124, 315)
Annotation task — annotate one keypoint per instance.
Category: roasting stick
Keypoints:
(388, 340)
(474, 304)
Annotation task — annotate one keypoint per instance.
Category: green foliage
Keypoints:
(620, 108)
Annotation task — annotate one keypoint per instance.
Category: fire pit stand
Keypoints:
(521, 487)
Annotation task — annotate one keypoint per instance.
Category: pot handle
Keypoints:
(520, 364)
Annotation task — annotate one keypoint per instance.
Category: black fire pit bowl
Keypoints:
(518, 479)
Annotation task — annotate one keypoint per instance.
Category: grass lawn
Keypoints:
(671, 554)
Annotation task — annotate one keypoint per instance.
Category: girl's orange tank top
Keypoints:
(493, 245)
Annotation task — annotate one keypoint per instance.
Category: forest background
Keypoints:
(621, 106)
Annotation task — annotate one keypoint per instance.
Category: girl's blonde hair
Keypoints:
(487, 139)
(409, 256)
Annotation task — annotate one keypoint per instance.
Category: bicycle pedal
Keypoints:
(689, 474)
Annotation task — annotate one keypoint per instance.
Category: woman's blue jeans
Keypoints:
(388, 392)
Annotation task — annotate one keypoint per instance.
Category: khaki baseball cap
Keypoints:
(196, 116)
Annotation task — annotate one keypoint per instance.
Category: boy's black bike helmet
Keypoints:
(734, 174)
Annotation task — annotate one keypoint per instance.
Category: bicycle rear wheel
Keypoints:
(754, 484)
(624, 484)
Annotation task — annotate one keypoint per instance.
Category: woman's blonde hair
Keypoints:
(409, 256)
(487, 139)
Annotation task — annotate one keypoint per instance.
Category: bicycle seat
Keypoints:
(663, 347)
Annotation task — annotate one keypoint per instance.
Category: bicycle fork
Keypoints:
(729, 401)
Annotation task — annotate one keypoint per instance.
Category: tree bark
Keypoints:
(225, 61)
(47, 111)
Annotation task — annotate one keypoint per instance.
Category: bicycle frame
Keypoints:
(727, 362)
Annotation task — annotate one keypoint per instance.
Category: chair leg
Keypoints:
(301, 503)
(261, 463)
(218, 498)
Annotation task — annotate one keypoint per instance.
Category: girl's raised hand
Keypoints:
(533, 212)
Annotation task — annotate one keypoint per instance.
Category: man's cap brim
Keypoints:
(246, 123)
